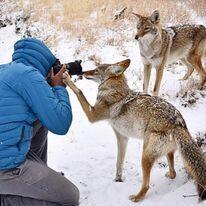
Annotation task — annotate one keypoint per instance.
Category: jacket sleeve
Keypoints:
(50, 105)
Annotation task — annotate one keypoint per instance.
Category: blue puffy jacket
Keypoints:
(25, 96)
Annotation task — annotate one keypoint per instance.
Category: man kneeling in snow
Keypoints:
(29, 107)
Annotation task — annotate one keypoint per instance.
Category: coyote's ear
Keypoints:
(117, 70)
(137, 16)
(120, 67)
(155, 17)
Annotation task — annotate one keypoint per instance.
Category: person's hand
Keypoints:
(56, 80)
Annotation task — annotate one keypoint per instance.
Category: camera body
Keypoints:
(74, 68)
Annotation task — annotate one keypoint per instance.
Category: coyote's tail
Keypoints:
(194, 159)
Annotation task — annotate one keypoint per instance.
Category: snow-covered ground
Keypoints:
(87, 154)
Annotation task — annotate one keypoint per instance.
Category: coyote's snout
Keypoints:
(159, 47)
(106, 71)
(131, 114)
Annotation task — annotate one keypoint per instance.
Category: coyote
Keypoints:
(159, 47)
(131, 114)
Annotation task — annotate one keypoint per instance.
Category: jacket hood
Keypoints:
(33, 52)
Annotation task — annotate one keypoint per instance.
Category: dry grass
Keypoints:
(84, 18)
(100, 12)
(190, 94)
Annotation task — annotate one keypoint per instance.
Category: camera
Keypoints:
(74, 68)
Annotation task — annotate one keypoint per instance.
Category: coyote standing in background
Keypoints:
(131, 114)
(159, 47)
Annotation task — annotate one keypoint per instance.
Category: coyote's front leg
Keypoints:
(159, 74)
(121, 146)
(147, 73)
(67, 81)
(93, 113)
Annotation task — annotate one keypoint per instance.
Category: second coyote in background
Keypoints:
(159, 47)
(157, 122)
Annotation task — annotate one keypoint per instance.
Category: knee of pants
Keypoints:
(72, 198)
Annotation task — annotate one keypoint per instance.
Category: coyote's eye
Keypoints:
(147, 29)
(96, 71)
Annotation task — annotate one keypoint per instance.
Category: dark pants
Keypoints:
(33, 183)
